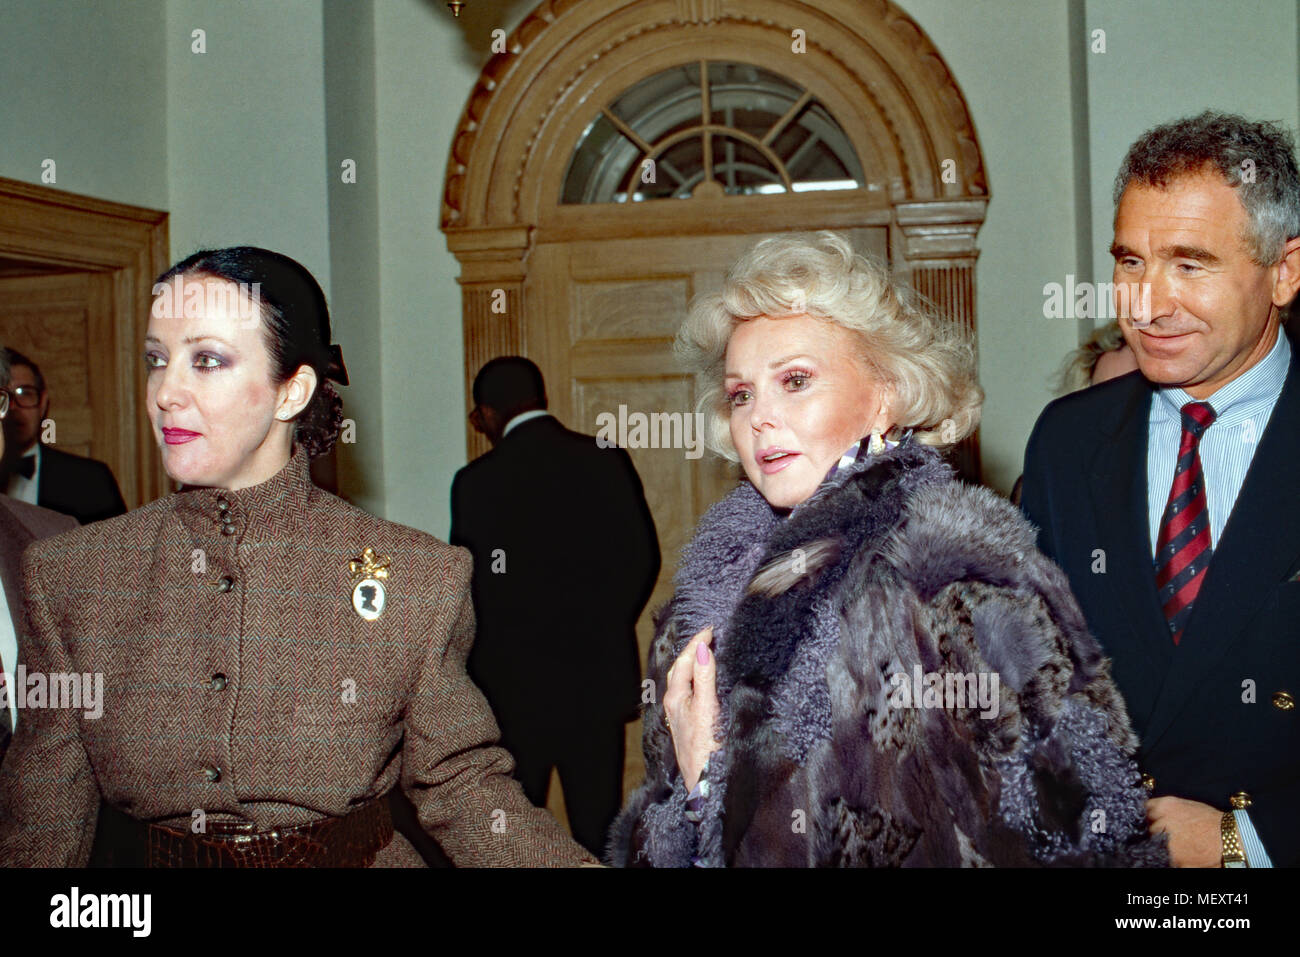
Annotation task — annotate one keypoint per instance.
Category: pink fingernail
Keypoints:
(702, 653)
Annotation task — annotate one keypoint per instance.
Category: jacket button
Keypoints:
(218, 682)
(212, 774)
(226, 583)
(1148, 782)
(228, 529)
(1283, 701)
(1240, 801)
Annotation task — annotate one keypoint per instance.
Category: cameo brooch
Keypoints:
(368, 595)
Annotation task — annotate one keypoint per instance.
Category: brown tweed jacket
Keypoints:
(239, 681)
(20, 525)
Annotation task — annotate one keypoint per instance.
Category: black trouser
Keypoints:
(589, 756)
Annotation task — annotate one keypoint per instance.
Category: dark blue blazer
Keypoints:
(556, 631)
(1203, 738)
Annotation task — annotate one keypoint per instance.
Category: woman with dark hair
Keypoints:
(269, 661)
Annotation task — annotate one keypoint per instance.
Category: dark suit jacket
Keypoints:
(1085, 488)
(80, 487)
(556, 634)
(20, 525)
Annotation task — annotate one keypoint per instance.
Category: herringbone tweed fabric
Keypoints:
(319, 709)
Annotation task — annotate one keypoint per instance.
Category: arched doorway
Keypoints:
(623, 153)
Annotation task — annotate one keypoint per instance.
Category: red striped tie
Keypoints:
(1183, 549)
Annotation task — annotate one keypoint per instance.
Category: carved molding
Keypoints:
(699, 11)
(470, 157)
(489, 332)
(940, 230)
(491, 253)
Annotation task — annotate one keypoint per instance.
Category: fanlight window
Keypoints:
(710, 128)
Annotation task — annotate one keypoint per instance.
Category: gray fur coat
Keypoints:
(904, 681)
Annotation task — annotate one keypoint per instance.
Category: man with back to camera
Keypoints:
(565, 558)
(41, 474)
(1168, 495)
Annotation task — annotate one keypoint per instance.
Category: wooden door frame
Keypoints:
(872, 65)
(129, 244)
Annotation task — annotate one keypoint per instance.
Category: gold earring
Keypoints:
(876, 444)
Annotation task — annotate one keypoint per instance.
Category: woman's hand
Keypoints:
(691, 706)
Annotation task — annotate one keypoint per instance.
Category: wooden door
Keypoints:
(602, 317)
(64, 323)
(76, 275)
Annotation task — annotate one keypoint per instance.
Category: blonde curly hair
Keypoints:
(928, 361)
(1076, 372)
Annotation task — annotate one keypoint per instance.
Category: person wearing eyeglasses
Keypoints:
(20, 525)
(41, 474)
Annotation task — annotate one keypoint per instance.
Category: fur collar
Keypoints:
(755, 576)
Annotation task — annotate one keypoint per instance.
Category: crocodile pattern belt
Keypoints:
(349, 841)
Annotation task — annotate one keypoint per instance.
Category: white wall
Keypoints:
(243, 144)
(83, 82)
(1013, 71)
(1238, 56)
(1011, 59)
(423, 79)
(354, 241)
(246, 129)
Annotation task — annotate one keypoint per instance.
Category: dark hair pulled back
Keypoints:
(296, 323)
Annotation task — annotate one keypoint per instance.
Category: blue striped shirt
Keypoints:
(1242, 410)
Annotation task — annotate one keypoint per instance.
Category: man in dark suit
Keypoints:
(41, 474)
(20, 525)
(565, 558)
(1168, 495)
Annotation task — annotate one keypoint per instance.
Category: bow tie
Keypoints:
(26, 466)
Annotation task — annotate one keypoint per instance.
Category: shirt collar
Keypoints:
(856, 458)
(276, 508)
(1241, 398)
(859, 452)
(521, 418)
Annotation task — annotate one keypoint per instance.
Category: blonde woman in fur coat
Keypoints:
(871, 664)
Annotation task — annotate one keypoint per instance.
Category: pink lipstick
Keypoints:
(179, 436)
(773, 460)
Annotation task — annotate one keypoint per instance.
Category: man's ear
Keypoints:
(296, 392)
(1287, 281)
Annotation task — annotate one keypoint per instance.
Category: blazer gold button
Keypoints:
(1148, 782)
(1283, 701)
(1240, 801)
(218, 682)
(212, 774)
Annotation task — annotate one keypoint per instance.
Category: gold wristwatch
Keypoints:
(1233, 854)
